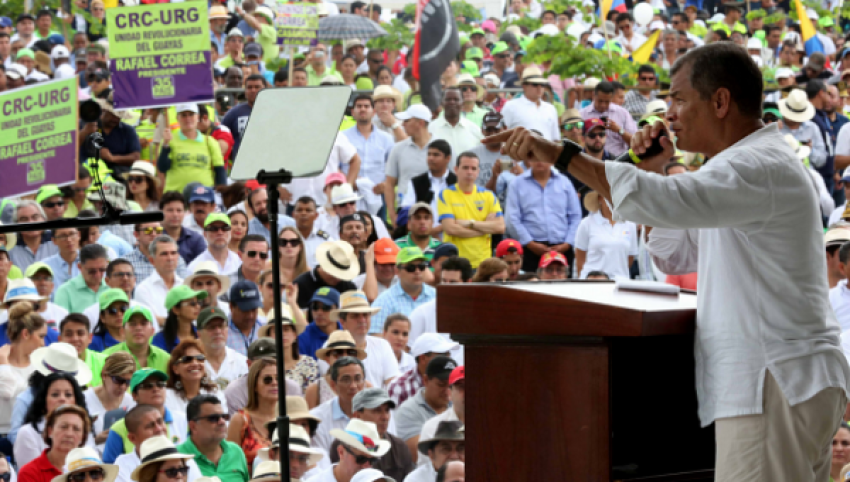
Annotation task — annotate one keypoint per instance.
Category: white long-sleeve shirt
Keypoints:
(749, 222)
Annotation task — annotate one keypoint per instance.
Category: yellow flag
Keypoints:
(604, 8)
(641, 55)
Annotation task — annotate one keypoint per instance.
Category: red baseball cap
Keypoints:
(458, 374)
(591, 124)
(552, 257)
(506, 245)
(254, 184)
(386, 251)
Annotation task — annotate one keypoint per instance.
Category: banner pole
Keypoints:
(291, 63)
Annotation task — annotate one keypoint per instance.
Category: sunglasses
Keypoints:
(342, 353)
(215, 418)
(573, 125)
(468, 89)
(190, 358)
(215, 229)
(261, 254)
(268, 379)
(175, 472)
(360, 459)
(411, 268)
(295, 242)
(152, 385)
(94, 474)
(54, 204)
(346, 204)
(502, 56)
(769, 119)
(319, 306)
(594, 135)
(122, 274)
(114, 311)
(120, 381)
(192, 303)
(136, 179)
(157, 230)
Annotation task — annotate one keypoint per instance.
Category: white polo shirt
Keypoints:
(521, 112)
(152, 292)
(232, 367)
(608, 247)
(230, 266)
(380, 363)
(462, 137)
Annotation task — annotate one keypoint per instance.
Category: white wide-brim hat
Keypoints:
(22, 289)
(362, 436)
(157, 449)
(86, 458)
(142, 168)
(60, 357)
(796, 107)
(208, 268)
(338, 259)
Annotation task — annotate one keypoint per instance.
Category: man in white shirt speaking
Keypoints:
(770, 372)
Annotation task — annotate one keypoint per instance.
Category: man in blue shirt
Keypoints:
(237, 118)
(373, 145)
(121, 143)
(243, 328)
(409, 293)
(317, 333)
(64, 263)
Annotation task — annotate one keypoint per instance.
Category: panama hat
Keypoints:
(371, 475)
(655, 107)
(208, 268)
(297, 409)
(285, 316)
(388, 92)
(218, 12)
(11, 239)
(468, 79)
(60, 357)
(339, 340)
(362, 436)
(533, 75)
(267, 472)
(142, 168)
(353, 302)
(344, 194)
(157, 449)
(22, 289)
(338, 259)
(796, 107)
(83, 458)
(299, 441)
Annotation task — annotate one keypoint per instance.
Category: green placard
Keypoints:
(297, 24)
(157, 29)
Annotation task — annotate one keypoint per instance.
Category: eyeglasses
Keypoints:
(215, 418)
(136, 179)
(468, 89)
(360, 459)
(157, 230)
(151, 385)
(192, 303)
(349, 380)
(94, 474)
(411, 268)
(268, 379)
(319, 306)
(114, 311)
(175, 472)
(294, 242)
(254, 254)
(346, 204)
(54, 204)
(119, 381)
(342, 353)
(94, 271)
(122, 274)
(191, 358)
(63, 237)
(573, 125)
(594, 135)
(769, 119)
(376, 61)
(215, 229)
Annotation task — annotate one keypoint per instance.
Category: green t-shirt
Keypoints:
(268, 40)
(192, 160)
(225, 63)
(95, 362)
(315, 79)
(231, 466)
(157, 357)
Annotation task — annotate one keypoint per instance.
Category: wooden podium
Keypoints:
(577, 381)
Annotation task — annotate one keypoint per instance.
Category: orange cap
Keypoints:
(386, 251)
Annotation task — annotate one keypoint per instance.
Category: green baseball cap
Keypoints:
(499, 47)
(826, 22)
(469, 67)
(217, 217)
(46, 192)
(364, 83)
(182, 293)
(650, 120)
(771, 110)
(406, 255)
(111, 296)
(25, 52)
(476, 31)
(474, 53)
(138, 310)
(36, 267)
(140, 376)
(208, 314)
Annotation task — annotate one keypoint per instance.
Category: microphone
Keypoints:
(653, 150)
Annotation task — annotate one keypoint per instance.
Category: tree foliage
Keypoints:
(398, 35)
(571, 60)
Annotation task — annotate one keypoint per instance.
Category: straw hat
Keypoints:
(299, 441)
(796, 107)
(106, 105)
(208, 268)
(267, 472)
(362, 436)
(60, 357)
(353, 302)
(338, 259)
(468, 79)
(142, 168)
(388, 92)
(157, 449)
(297, 409)
(533, 75)
(339, 340)
(591, 201)
(218, 12)
(655, 107)
(287, 318)
(86, 458)
(22, 289)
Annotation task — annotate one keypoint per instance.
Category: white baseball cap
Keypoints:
(416, 111)
(187, 108)
(783, 73)
(16, 71)
(60, 52)
(431, 343)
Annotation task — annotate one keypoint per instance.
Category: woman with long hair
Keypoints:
(491, 269)
(26, 330)
(183, 305)
(301, 369)
(58, 389)
(248, 428)
(187, 377)
(109, 330)
(67, 428)
(397, 332)
(603, 244)
(238, 229)
(293, 256)
(118, 369)
(385, 76)
(371, 234)
(144, 186)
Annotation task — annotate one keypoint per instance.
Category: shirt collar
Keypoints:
(198, 138)
(336, 410)
(441, 178)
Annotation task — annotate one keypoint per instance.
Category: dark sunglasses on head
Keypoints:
(268, 379)
(360, 459)
(319, 306)
(411, 268)
(594, 135)
(190, 358)
(119, 381)
(215, 418)
(342, 353)
(254, 254)
(215, 229)
(94, 474)
(174, 472)
(149, 231)
(573, 125)
(114, 311)
(136, 179)
(295, 242)
(53, 204)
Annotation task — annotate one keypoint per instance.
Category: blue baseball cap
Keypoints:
(203, 194)
(326, 295)
(245, 295)
(5, 22)
(445, 249)
(56, 39)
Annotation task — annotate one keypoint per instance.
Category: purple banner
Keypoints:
(175, 79)
(22, 175)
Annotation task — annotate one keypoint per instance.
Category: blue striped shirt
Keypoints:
(396, 300)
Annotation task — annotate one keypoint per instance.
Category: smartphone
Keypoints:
(604, 119)
(505, 164)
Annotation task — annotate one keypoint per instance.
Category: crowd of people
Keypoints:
(147, 352)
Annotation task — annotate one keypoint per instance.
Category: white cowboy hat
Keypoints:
(362, 436)
(468, 79)
(796, 107)
(353, 302)
(208, 268)
(142, 168)
(799, 149)
(83, 458)
(299, 441)
(371, 475)
(157, 449)
(60, 357)
(339, 340)
(344, 194)
(387, 92)
(11, 239)
(22, 289)
(338, 259)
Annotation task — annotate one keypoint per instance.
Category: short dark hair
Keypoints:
(365, 97)
(441, 145)
(256, 77)
(281, 76)
(549, 11)
(617, 85)
(682, 17)
(202, 111)
(134, 416)
(357, 5)
(768, 29)
(251, 238)
(172, 196)
(814, 87)
(724, 66)
(469, 154)
(598, 273)
(604, 87)
(647, 69)
(117, 262)
(342, 363)
(456, 263)
(92, 251)
(844, 253)
(75, 318)
(306, 200)
(624, 16)
(193, 409)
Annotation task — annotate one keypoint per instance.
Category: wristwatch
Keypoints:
(570, 150)
(472, 223)
(396, 125)
(621, 131)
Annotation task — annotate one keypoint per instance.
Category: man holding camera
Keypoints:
(618, 121)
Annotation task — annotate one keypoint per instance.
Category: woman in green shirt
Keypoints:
(191, 156)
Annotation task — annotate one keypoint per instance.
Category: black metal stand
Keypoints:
(272, 180)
